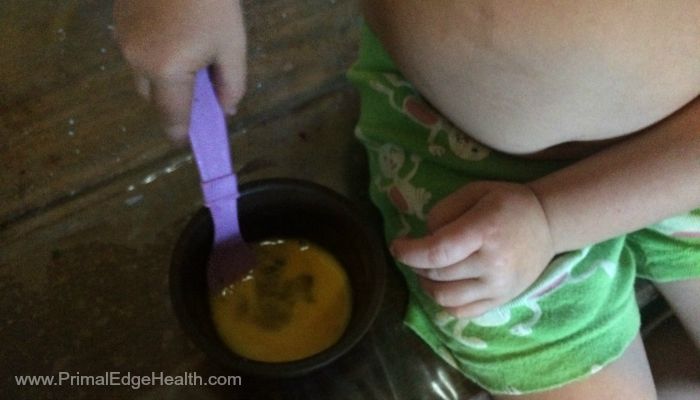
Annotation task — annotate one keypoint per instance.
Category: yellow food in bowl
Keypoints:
(295, 303)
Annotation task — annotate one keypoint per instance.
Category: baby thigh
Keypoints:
(668, 254)
(684, 298)
(629, 377)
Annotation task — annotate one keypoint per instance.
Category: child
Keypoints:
(530, 159)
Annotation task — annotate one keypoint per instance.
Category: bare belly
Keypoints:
(527, 76)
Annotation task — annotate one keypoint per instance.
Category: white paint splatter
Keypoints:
(172, 167)
(133, 200)
(149, 178)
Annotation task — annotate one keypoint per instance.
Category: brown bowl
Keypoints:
(282, 208)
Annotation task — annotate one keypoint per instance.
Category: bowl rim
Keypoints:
(294, 368)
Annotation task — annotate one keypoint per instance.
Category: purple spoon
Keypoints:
(230, 256)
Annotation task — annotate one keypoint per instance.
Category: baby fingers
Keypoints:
(473, 310)
(470, 268)
(456, 293)
(449, 245)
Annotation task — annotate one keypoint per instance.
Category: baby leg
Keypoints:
(675, 364)
(629, 377)
(684, 297)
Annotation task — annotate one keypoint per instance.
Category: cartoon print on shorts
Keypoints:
(418, 111)
(395, 182)
(563, 275)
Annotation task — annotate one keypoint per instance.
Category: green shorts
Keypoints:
(581, 313)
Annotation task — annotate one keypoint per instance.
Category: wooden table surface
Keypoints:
(93, 197)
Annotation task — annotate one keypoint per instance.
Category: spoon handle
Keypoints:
(209, 140)
(208, 133)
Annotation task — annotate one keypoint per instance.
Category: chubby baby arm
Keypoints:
(167, 41)
(489, 241)
(651, 176)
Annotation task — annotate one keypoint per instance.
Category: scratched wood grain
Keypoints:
(70, 120)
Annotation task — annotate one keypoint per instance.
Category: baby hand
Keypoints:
(167, 41)
(488, 242)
